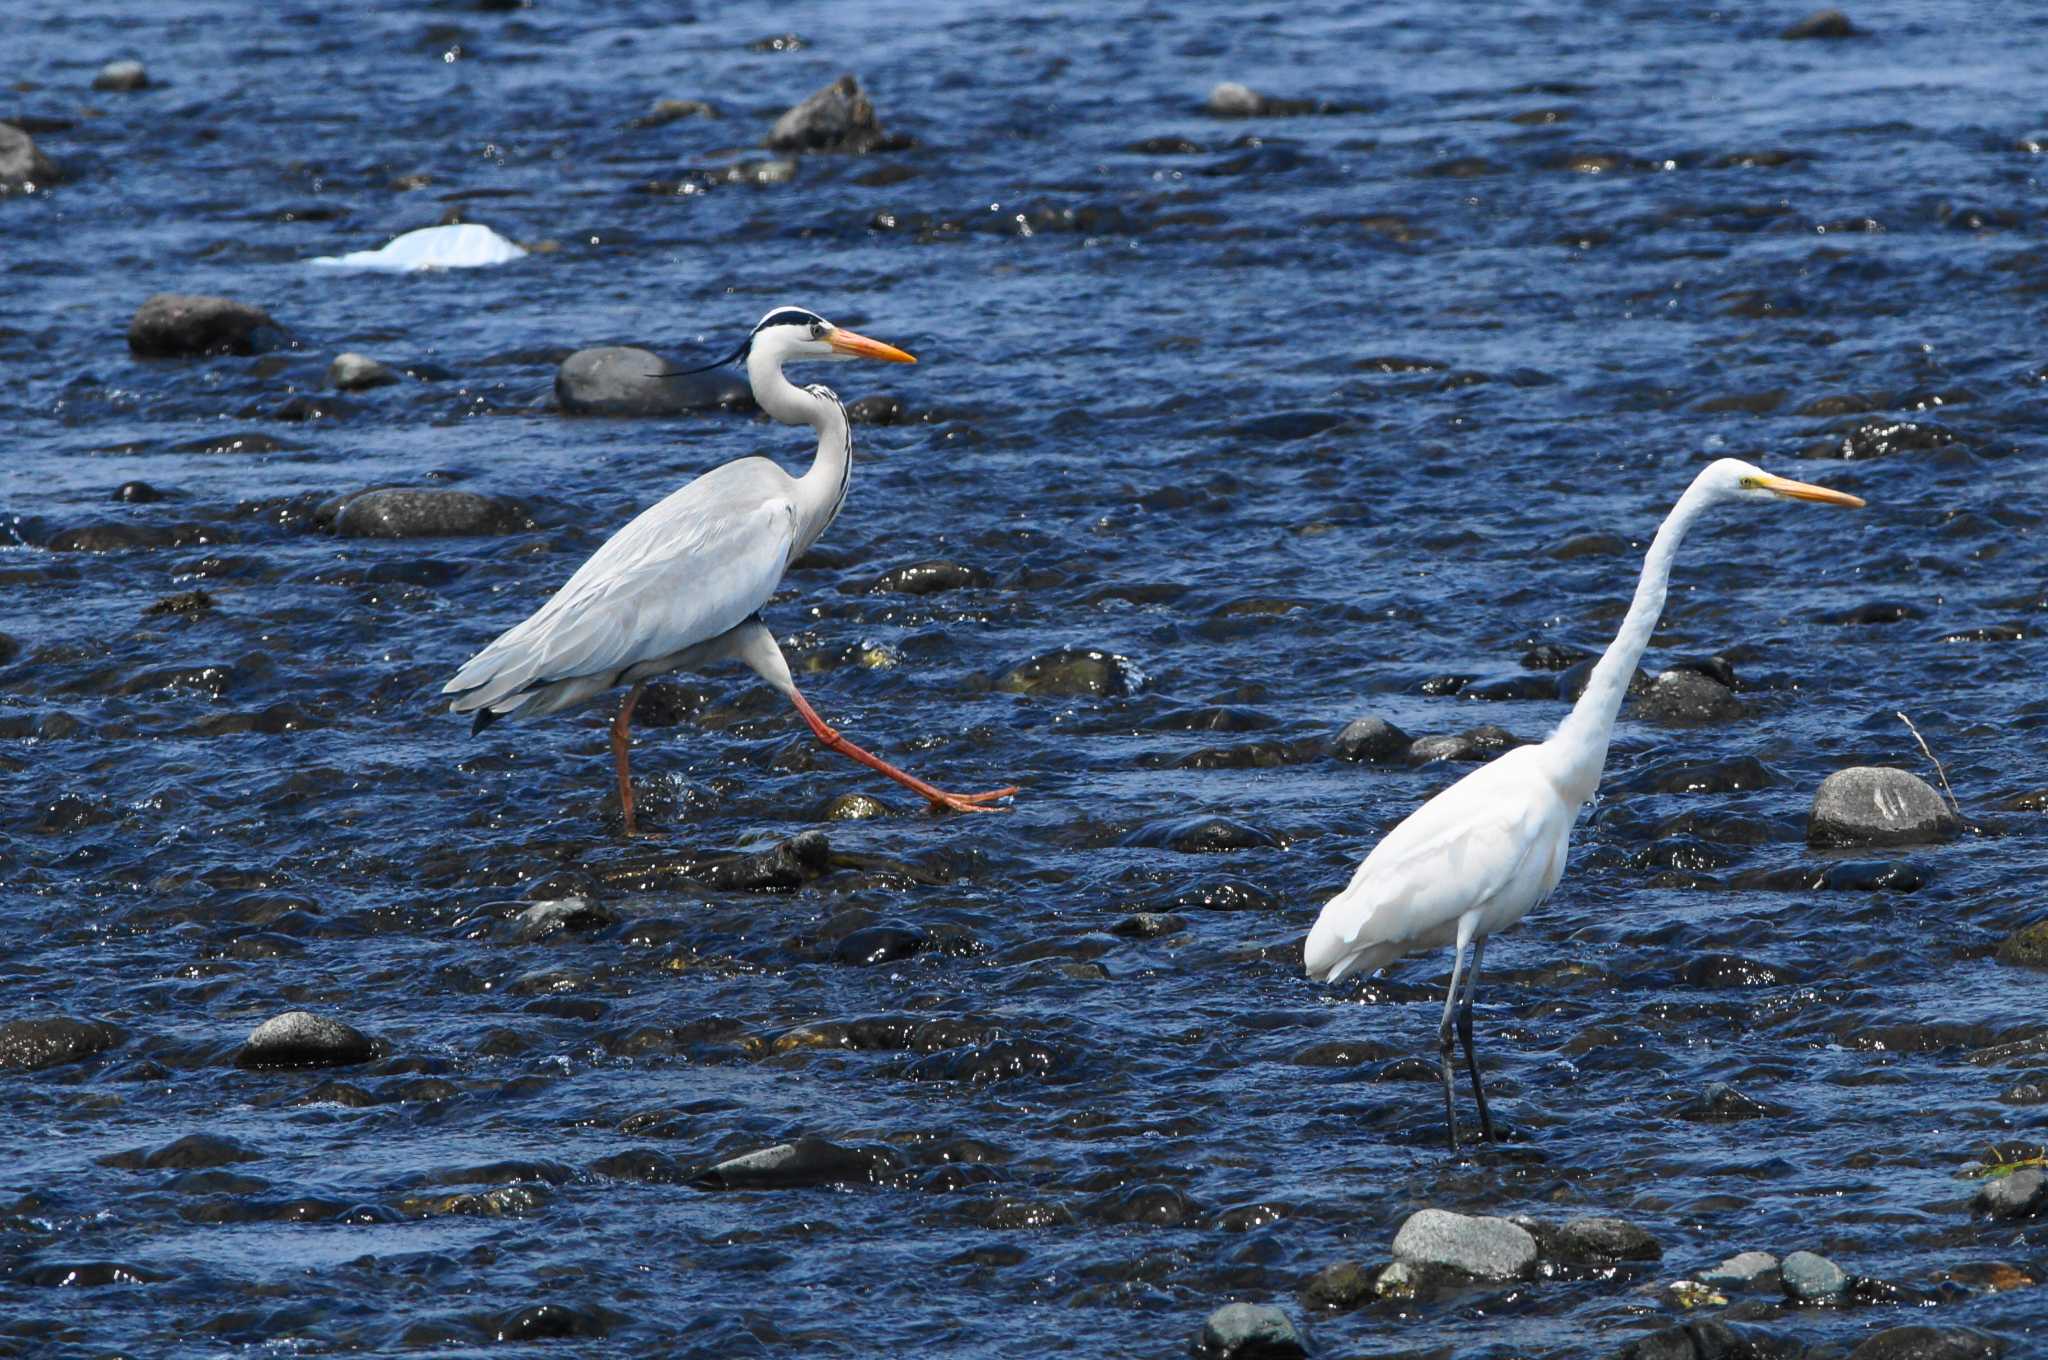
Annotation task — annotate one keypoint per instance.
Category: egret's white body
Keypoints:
(1489, 849)
(679, 587)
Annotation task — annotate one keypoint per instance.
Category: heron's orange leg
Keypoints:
(622, 746)
(958, 802)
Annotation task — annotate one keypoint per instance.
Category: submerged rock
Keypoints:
(1826, 23)
(31, 1045)
(1073, 671)
(1687, 696)
(1232, 100)
(1874, 805)
(1248, 1331)
(1604, 1239)
(2027, 946)
(1920, 1342)
(1344, 1285)
(352, 372)
(928, 578)
(1489, 1248)
(1808, 1277)
(836, 118)
(303, 1039)
(121, 77)
(177, 325)
(427, 512)
(623, 380)
(806, 1162)
(23, 168)
(1740, 1270)
(1374, 740)
(2023, 1194)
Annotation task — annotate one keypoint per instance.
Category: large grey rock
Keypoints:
(1740, 1270)
(623, 380)
(30, 1045)
(303, 1039)
(2020, 1195)
(1248, 1331)
(836, 118)
(352, 372)
(122, 76)
(427, 512)
(1372, 739)
(1490, 1248)
(1811, 1278)
(1920, 1342)
(174, 325)
(23, 168)
(1873, 805)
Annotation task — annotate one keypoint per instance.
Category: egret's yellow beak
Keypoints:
(860, 347)
(1807, 491)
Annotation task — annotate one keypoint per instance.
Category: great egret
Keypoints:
(1477, 857)
(678, 588)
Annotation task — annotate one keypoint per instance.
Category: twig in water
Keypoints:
(1939, 772)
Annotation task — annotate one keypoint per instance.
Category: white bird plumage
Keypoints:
(679, 586)
(1486, 851)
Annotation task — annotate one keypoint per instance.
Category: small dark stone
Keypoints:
(31, 1045)
(1149, 925)
(1248, 1331)
(1874, 805)
(137, 493)
(1594, 1240)
(1553, 656)
(548, 1322)
(1921, 1342)
(1731, 970)
(427, 512)
(785, 868)
(176, 325)
(1204, 835)
(22, 167)
(197, 1151)
(1572, 681)
(806, 1162)
(1685, 696)
(1340, 1287)
(187, 602)
(1479, 744)
(929, 578)
(1732, 774)
(836, 118)
(1372, 739)
(2023, 1194)
(1074, 671)
(2027, 946)
(621, 380)
(303, 1039)
(1826, 23)
(562, 915)
(883, 942)
(879, 409)
(352, 372)
(1883, 437)
(121, 77)
(1159, 1206)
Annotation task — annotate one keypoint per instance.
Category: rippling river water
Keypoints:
(1303, 417)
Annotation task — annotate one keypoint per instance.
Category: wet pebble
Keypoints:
(1073, 672)
(855, 807)
(1918, 1341)
(1340, 1287)
(1489, 1248)
(883, 942)
(928, 578)
(1248, 1331)
(1741, 1270)
(137, 493)
(303, 1039)
(23, 168)
(1597, 1240)
(427, 512)
(178, 325)
(839, 117)
(352, 372)
(1480, 744)
(1374, 740)
(1686, 696)
(2023, 1194)
(121, 76)
(564, 915)
(1874, 805)
(190, 603)
(1204, 836)
(622, 380)
(1809, 1278)
(808, 1161)
(2027, 946)
(31, 1045)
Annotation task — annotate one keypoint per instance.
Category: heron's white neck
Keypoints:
(1580, 741)
(822, 490)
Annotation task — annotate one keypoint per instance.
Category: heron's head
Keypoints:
(792, 333)
(1733, 479)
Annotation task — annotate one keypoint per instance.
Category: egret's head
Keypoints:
(790, 333)
(1733, 479)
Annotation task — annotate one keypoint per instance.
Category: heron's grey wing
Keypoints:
(684, 571)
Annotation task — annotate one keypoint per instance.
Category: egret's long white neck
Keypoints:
(822, 490)
(1581, 739)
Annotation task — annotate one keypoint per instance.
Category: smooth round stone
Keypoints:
(1248, 1331)
(1812, 1278)
(303, 1039)
(1874, 805)
(122, 76)
(1741, 1270)
(352, 372)
(1489, 1248)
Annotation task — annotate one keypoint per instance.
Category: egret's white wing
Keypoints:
(682, 572)
(1495, 832)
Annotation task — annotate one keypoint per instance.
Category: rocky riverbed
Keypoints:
(1298, 389)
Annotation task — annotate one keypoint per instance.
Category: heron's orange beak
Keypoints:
(1807, 491)
(860, 347)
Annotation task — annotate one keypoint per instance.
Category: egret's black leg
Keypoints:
(1447, 1048)
(1465, 1033)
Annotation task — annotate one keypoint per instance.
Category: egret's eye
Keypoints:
(1751, 482)
(817, 330)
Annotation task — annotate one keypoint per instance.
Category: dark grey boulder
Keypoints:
(427, 512)
(1921, 1342)
(1808, 1277)
(806, 1162)
(2027, 946)
(1233, 100)
(1344, 1285)
(839, 117)
(178, 325)
(1873, 805)
(663, 111)
(1485, 1247)
(622, 380)
(1248, 1331)
(928, 578)
(1374, 740)
(31, 1045)
(1571, 681)
(2023, 1194)
(303, 1039)
(1073, 671)
(197, 1152)
(352, 372)
(1826, 23)
(1687, 696)
(1598, 1240)
(1481, 743)
(122, 76)
(1741, 1270)
(23, 169)
(562, 916)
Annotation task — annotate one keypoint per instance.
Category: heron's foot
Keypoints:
(971, 802)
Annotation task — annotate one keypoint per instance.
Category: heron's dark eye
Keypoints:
(817, 329)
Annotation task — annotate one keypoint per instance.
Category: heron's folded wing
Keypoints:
(678, 575)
